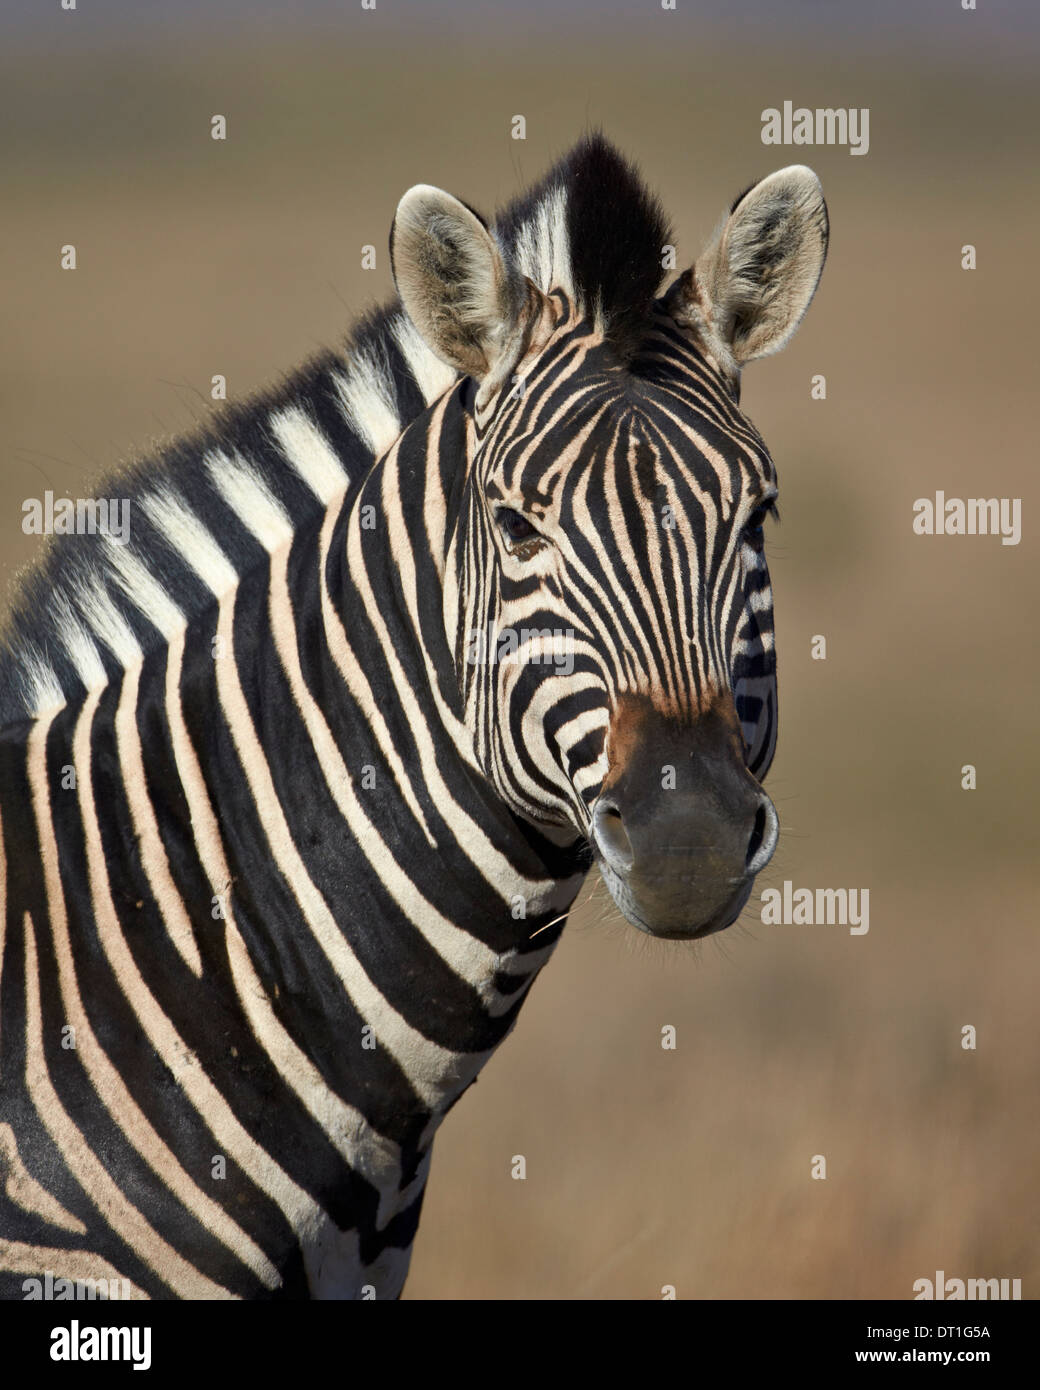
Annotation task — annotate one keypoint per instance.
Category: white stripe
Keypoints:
(543, 247)
(310, 453)
(432, 376)
(145, 591)
(248, 496)
(366, 393)
(42, 688)
(108, 623)
(575, 729)
(191, 540)
(152, 851)
(82, 652)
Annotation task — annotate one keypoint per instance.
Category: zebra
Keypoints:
(300, 779)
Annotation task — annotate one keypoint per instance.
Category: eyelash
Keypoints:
(508, 520)
(756, 521)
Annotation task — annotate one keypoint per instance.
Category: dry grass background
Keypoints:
(648, 1167)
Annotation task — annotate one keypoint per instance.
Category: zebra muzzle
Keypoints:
(681, 827)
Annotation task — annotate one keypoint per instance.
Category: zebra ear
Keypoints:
(456, 286)
(746, 294)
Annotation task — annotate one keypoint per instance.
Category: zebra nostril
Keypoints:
(764, 834)
(611, 837)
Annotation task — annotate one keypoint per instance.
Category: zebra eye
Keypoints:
(753, 527)
(515, 528)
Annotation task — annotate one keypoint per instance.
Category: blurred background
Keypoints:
(645, 1167)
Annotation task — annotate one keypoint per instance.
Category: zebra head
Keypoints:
(606, 590)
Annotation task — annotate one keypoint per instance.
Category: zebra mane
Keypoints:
(591, 227)
(86, 608)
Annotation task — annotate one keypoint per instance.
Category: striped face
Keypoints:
(607, 591)
(611, 550)
(613, 589)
